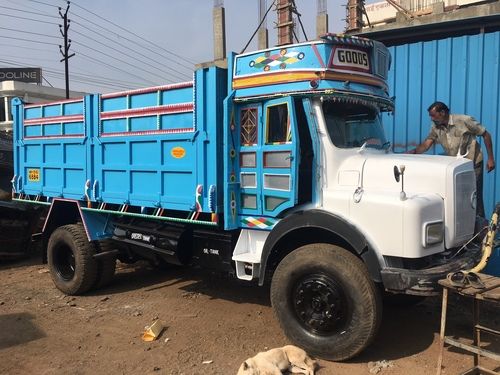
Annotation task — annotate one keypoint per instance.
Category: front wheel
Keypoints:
(326, 301)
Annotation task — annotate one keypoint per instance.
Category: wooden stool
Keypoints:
(491, 292)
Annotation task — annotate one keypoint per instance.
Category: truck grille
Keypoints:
(464, 187)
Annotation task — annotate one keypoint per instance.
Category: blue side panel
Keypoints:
(51, 149)
(211, 89)
(144, 151)
(156, 148)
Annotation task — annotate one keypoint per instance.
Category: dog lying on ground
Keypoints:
(274, 361)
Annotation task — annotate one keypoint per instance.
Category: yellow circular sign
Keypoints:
(178, 152)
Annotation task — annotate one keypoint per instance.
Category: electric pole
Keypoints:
(67, 44)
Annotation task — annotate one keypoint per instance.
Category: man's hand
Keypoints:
(490, 165)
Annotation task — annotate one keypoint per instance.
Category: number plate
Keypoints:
(34, 175)
(140, 237)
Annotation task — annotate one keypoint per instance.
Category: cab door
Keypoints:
(280, 158)
(268, 157)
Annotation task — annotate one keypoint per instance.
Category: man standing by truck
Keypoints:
(457, 134)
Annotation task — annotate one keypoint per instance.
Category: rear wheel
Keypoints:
(70, 260)
(326, 301)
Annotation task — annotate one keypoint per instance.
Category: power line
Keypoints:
(126, 54)
(115, 58)
(45, 79)
(27, 58)
(29, 32)
(41, 2)
(130, 40)
(127, 47)
(26, 18)
(92, 82)
(134, 42)
(27, 11)
(258, 27)
(80, 54)
(137, 36)
(294, 10)
(22, 47)
(28, 40)
(83, 78)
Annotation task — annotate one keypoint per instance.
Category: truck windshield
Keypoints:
(353, 125)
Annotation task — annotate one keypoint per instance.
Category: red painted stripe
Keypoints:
(148, 90)
(53, 120)
(55, 136)
(316, 52)
(66, 101)
(149, 111)
(148, 132)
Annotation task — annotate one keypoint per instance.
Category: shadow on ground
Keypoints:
(191, 280)
(18, 329)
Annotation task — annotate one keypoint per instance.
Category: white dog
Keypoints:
(274, 361)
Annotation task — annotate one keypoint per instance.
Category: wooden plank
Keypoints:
(490, 292)
(472, 349)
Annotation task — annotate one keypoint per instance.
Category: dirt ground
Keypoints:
(212, 323)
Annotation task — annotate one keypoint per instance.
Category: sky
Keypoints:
(127, 44)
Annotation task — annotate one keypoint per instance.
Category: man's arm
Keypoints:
(490, 164)
(424, 146)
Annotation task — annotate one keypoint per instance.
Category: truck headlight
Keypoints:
(433, 233)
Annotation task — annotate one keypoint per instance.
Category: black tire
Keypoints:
(105, 266)
(70, 258)
(326, 301)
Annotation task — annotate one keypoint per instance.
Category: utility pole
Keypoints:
(263, 37)
(67, 44)
(321, 19)
(219, 24)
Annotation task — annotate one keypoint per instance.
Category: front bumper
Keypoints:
(423, 282)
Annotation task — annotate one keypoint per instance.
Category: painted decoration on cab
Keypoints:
(282, 59)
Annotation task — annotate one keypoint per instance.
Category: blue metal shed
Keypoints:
(462, 71)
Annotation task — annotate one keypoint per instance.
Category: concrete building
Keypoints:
(422, 20)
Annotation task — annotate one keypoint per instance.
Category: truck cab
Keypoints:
(308, 137)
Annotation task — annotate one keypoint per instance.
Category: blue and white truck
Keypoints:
(274, 168)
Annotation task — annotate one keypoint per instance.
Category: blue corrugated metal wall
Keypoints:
(463, 72)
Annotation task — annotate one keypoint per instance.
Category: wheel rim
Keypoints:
(64, 263)
(320, 304)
